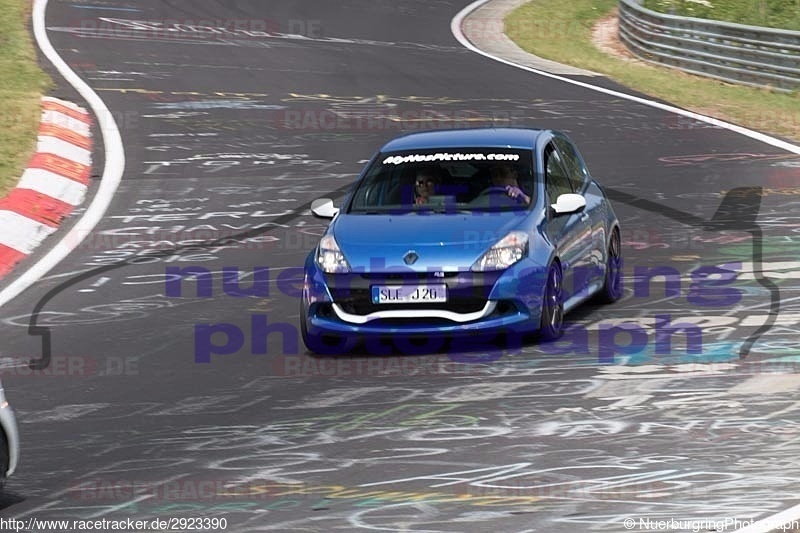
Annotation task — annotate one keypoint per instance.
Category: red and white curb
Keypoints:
(53, 184)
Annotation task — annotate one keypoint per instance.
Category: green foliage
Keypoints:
(565, 35)
(21, 87)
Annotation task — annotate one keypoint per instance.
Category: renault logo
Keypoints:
(411, 257)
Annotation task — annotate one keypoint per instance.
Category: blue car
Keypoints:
(9, 439)
(461, 234)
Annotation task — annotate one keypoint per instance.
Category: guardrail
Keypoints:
(749, 55)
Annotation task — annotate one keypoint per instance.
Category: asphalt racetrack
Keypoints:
(228, 137)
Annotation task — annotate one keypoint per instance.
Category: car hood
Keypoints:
(374, 243)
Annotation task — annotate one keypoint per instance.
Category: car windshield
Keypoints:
(446, 180)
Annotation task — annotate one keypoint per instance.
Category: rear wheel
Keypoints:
(612, 287)
(552, 321)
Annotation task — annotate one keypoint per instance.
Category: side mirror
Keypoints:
(323, 208)
(566, 204)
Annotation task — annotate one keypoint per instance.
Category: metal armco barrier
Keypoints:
(749, 55)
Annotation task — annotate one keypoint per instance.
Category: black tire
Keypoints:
(612, 286)
(4, 459)
(551, 326)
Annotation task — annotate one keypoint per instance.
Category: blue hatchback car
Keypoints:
(461, 233)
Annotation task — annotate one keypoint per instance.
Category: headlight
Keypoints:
(505, 253)
(330, 257)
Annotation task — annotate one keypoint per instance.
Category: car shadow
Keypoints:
(483, 348)
(9, 499)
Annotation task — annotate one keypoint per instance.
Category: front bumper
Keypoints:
(490, 302)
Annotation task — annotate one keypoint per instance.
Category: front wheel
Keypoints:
(324, 344)
(612, 287)
(552, 322)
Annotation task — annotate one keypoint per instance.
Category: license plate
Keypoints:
(408, 294)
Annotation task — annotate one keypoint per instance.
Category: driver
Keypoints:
(505, 176)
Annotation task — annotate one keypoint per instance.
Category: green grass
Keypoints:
(565, 35)
(21, 86)
(783, 14)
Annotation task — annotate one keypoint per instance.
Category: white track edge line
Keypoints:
(793, 513)
(112, 173)
(455, 28)
(775, 522)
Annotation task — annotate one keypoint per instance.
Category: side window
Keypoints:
(556, 178)
(573, 163)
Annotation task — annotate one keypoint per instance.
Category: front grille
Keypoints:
(467, 292)
(417, 276)
(402, 322)
(359, 302)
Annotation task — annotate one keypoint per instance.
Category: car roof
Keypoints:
(524, 138)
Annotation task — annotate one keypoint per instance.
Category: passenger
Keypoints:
(426, 184)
